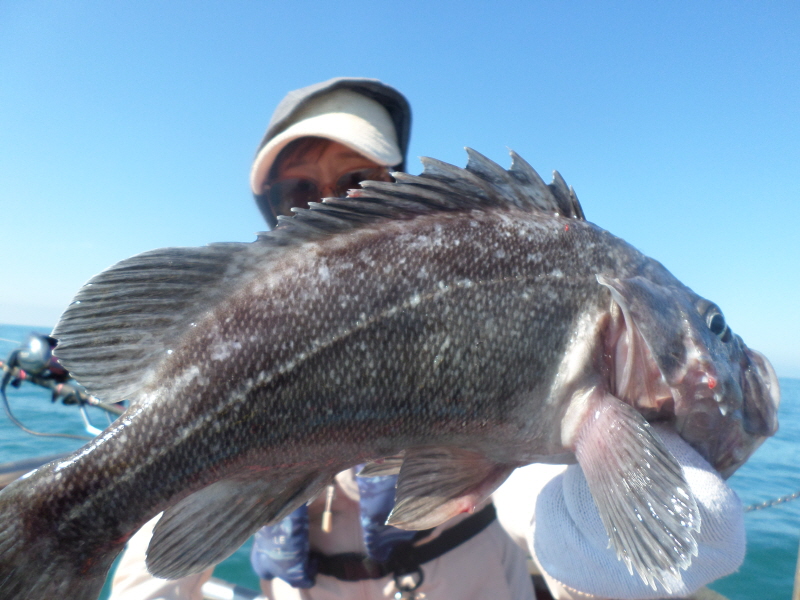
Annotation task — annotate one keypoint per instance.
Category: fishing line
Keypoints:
(771, 503)
(19, 424)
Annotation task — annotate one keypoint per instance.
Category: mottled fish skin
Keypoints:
(470, 318)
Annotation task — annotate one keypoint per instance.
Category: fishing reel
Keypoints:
(33, 361)
(34, 357)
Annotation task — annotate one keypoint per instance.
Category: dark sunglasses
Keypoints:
(287, 193)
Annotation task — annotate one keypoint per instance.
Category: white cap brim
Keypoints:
(343, 116)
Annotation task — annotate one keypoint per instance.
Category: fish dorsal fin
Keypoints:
(520, 186)
(122, 322)
(482, 185)
(120, 325)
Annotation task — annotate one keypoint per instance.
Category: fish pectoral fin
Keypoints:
(383, 467)
(121, 325)
(436, 484)
(641, 495)
(206, 527)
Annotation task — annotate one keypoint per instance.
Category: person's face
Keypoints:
(320, 173)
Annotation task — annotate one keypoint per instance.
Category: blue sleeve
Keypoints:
(282, 550)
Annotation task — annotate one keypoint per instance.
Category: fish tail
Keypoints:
(35, 566)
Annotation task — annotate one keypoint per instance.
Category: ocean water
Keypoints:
(773, 534)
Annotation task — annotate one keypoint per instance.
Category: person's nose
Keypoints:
(328, 189)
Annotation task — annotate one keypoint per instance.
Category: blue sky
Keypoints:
(126, 126)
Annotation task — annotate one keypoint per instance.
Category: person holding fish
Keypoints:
(322, 141)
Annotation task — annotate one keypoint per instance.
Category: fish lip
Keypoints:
(761, 387)
(762, 364)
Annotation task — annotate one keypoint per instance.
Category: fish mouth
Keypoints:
(728, 425)
(724, 408)
(762, 395)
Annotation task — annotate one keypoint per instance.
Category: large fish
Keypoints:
(470, 319)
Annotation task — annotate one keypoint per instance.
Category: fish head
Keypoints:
(677, 359)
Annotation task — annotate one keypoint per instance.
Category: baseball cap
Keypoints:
(363, 114)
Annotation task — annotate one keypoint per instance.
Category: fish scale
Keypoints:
(469, 320)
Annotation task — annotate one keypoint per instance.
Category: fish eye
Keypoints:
(716, 323)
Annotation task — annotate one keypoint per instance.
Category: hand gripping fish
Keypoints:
(468, 318)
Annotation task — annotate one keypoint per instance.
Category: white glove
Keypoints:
(571, 545)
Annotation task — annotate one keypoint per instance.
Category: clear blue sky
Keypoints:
(126, 126)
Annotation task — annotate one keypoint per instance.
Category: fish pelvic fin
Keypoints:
(208, 526)
(34, 566)
(390, 465)
(436, 484)
(641, 495)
